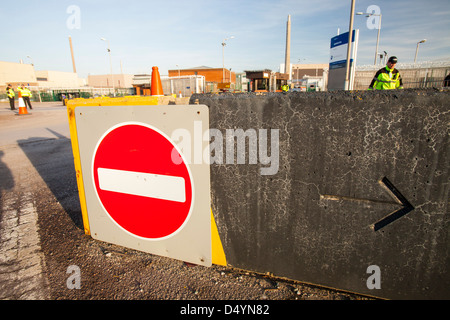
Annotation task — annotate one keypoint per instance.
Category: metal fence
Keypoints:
(43, 94)
(421, 77)
(183, 86)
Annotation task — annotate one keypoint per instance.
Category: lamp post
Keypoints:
(379, 28)
(223, 57)
(110, 65)
(349, 47)
(31, 60)
(417, 49)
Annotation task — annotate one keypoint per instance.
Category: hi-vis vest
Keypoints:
(10, 93)
(26, 92)
(386, 79)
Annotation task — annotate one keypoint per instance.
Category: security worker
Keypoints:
(285, 88)
(26, 95)
(387, 77)
(10, 93)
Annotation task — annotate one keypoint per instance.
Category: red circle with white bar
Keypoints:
(142, 180)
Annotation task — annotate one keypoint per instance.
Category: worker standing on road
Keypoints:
(26, 95)
(10, 93)
(285, 88)
(387, 78)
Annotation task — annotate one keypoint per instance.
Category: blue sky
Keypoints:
(143, 34)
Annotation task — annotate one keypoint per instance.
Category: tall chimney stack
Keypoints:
(287, 61)
(73, 59)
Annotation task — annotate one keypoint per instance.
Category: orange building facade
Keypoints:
(217, 75)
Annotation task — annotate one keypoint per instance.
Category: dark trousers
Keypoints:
(26, 100)
(11, 103)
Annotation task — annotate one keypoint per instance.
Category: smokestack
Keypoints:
(287, 61)
(73, 59)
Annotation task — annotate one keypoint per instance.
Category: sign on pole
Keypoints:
(338, 61)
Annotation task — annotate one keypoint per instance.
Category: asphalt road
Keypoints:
(44, 253)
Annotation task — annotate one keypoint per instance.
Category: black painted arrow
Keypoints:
(396, 194)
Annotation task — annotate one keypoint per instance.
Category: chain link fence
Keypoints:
(41, 94)
(425, 76)
(183, 86)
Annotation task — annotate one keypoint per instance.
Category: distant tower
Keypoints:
(73, 59)
(287, 61)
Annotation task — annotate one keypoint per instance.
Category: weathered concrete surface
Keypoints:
(22, 263)
(311, 221)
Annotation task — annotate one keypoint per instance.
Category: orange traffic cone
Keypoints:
(22, 107)
(156, 89)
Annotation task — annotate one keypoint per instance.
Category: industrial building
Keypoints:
(16, 74)
(108, 81)
(216, 79)
(50, 85)
(309, 77)
(21, 73)
(266, 80)
(218, 75)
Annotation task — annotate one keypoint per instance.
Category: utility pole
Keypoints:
(73, 58)
(417, 49)
(110, 65)
(224, 43)
(349, 47)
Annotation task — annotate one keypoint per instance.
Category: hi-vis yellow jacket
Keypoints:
(10, 93)
(386, 79)
(26, 92)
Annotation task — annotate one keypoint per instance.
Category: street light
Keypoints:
(31, 60)
(223, 57)
(110, 65)
(349, 46)
(379, 28)
(417, 49)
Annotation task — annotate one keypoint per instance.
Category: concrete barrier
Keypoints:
(126, 101)
(356, 199)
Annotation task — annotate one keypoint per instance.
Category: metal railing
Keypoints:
(423, 77)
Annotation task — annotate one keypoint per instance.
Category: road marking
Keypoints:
(142, 184)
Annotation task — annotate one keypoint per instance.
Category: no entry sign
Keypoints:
(139, 185)
(140, 190)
